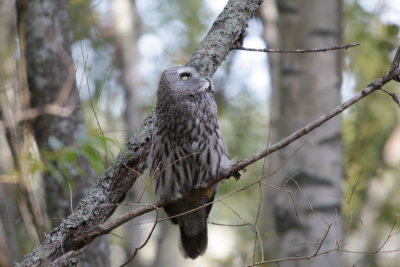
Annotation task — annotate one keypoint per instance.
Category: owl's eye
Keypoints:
(184, 76)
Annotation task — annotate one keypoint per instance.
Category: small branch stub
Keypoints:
(396, 64)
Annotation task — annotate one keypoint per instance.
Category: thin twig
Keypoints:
(295, 258)
(338, 249)
(252, 226)
(89, 91)
(393, 95)
(144, 243)
(323, 240)
(227, 224)
(261, 196)
(387, 239)
(308, 200)
(70, 198)
(291, 198)
(355, 185)
(312, 50)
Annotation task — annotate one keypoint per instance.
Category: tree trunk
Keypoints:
(51, 80)
(8, 247)
(9, 213)
(125, 37)
(307, 86)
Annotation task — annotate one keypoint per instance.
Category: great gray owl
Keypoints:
(187, 151)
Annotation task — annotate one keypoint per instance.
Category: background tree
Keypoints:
(46, 43)
(307, 86)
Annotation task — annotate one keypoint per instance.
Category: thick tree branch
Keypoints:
(225, 34)
(68, 240)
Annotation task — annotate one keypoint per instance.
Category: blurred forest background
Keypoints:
(50, 154)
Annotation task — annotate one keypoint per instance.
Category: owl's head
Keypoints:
(185, 79)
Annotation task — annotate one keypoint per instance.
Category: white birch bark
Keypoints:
(307, 86)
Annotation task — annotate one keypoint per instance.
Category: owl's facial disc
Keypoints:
(187, 79)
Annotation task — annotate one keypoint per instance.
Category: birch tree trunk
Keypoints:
(51, 81)
(125, 36)
(125, 33)
(306, 86)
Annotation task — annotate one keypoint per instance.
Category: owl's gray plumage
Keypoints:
(187, 151)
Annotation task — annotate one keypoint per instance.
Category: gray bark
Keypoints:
(67, 241)
(50, 74)
(307, 86)
(8, 246)
(9, 250)
(51, 79)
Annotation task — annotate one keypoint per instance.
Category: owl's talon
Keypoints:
(227, 174)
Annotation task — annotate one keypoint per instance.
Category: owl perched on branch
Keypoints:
(187, 152)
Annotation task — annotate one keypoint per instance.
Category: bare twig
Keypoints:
(252, 226)
(387, 239)
(323, 240)
(227, 224)
(295, 258)
(308, 200)
(355, 185)
(393, 95)
(261, 197)
(49, 109)
(291, 198)
(336, 249)
(144, 243)
(298, 51)
(257, 236)
(89, 91)
(106, 227)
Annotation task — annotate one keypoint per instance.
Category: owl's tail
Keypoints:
(193, 225)
(193, 246)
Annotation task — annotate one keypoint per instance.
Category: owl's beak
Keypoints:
(210, 86)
